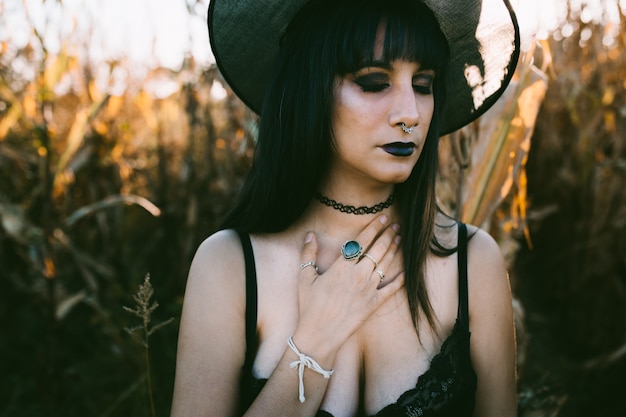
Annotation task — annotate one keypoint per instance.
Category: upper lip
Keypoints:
(399, 143)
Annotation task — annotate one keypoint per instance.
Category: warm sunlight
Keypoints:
(150, 32)
(162, 32)
(123, 146)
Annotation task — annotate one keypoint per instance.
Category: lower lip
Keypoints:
(399, 150)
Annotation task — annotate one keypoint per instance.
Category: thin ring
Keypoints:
(310, 263)
(380, 273)
(371, 258)
(351, 250)
(407, 129)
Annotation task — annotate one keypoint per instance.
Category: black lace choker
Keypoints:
(354, 210)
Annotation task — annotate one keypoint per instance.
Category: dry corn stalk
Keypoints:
(500, 142)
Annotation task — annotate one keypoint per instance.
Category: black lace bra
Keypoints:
(447, 388)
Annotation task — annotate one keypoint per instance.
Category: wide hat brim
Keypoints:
(483, 37)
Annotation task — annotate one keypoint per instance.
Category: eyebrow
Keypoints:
(378, 63)
(425, 75)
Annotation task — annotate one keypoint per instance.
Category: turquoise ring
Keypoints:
(351, 250)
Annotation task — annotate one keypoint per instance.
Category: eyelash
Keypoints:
(376, 87)
(371, 87)
(423, 89)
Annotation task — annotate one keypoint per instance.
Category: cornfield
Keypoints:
(104, 198)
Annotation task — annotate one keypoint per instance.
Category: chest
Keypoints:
(395, 354)
(381, 362)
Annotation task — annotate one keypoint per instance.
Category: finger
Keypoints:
(370, 258)
(385, 245)
(389, 287)
(391, 263)
(372, 231)
(308, 257)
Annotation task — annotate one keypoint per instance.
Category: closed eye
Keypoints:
(372, 82)
(423, 84)
(423, 89)
(372, 88)
(378, 81)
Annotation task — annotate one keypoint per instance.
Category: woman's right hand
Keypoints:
(333, 305)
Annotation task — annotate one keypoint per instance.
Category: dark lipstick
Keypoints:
(399, 148)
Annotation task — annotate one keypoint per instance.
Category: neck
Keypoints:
(333, 215)
(357, 211)
(333, 228)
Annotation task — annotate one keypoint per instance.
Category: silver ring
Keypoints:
(380, 273)
(310, 263)
(371, 258)
(351, 250)
(407, 129)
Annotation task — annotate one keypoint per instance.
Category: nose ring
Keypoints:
(405, 129)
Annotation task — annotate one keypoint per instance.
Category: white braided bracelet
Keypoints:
(310, 363)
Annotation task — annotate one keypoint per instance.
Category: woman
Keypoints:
(336, 287)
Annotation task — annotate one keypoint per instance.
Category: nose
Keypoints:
(404, 108)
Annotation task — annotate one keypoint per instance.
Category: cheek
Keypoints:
(347, 121)
(351, 108)
(344, 113)
(428, 108)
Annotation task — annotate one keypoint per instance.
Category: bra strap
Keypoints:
(463, 310)
(251, 301)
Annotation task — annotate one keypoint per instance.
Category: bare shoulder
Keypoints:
(211, 343)
(491, 324)
(217, 269)
(488, 281)
(485, 260)
(218, 253)
(216, 283)
(224, 245)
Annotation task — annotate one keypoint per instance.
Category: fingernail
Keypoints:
(308, 238)
(397, 239)
(395, 227)
(384, 219)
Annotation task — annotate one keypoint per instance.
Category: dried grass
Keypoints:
(573, 280)
(97, 190)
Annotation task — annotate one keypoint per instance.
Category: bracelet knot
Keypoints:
(308, 362)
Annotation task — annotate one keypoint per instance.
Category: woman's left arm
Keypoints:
(492, 341)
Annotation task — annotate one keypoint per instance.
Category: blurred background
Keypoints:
(121, 148)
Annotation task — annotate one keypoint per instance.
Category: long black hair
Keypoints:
(330, 38)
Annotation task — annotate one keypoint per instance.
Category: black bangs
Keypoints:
(411, 33)
(342, 34)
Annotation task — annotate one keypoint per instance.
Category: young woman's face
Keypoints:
(371, 105)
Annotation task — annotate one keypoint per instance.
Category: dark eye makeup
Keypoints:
(423, 83)
(374, 82)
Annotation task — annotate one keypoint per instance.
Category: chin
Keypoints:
(397, 178)
(402, 175)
